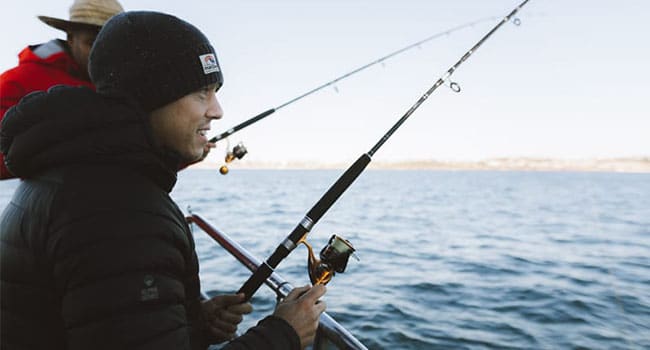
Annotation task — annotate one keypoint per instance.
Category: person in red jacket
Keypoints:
(57, 62)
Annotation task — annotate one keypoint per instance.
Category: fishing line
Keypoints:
(346, 75)
(300, 232)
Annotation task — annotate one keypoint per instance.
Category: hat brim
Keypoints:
(66, 26)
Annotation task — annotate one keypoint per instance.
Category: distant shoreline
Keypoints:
(620, 165)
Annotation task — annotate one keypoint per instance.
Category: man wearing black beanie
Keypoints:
(94, 253)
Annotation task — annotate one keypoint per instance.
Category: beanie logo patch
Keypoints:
(209, 63)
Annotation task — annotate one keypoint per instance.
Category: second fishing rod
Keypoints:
(239, 150)
(300, 232)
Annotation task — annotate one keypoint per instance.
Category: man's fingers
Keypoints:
(307, 292)
(229, 317)
(225, 300)
(320, 306)
(240, 309)
(296, 293)
(315, 292)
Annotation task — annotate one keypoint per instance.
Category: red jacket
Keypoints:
(39, 68)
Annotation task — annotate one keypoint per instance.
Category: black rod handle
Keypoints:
(337, 189)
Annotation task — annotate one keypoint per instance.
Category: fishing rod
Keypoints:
(239, 151)
(299, 233)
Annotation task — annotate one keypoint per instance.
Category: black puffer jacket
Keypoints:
(94, 253)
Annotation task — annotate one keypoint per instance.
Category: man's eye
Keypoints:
(204, 93)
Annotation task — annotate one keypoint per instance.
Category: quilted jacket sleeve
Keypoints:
(270, 333)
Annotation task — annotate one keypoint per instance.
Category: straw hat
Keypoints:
(86, 13)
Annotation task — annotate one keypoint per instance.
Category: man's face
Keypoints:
(183, 124)
(80, 42)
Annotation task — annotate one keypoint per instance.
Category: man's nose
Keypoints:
(215, 111)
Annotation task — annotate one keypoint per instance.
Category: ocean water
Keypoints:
(448, 259)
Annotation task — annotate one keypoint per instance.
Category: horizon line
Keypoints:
(612, 164)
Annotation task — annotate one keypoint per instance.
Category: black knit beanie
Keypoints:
(153, 58)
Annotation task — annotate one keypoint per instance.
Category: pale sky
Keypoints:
(570, 82)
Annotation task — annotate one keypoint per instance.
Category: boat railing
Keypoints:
(330, 335)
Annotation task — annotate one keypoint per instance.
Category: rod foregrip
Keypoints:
(337, 189)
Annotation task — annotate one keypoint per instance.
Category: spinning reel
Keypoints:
(333, 258)
(237, 152)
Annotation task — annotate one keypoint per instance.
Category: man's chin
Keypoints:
(189, 160)
(195, 157)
